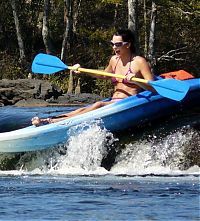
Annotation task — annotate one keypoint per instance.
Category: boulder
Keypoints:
(13, 91)
(35, 92)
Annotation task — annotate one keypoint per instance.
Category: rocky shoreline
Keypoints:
(35, 92)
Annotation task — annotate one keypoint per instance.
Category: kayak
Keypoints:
(124, 114)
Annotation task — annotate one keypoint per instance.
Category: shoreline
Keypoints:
(35, 92)
(49, 105)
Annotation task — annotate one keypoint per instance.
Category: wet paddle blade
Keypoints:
(171, 88)
(47, 64)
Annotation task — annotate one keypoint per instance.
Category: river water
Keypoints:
(149, 173)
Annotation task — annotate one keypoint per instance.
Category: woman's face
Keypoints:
(119, 46)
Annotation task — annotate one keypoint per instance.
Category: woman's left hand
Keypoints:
(129, 77)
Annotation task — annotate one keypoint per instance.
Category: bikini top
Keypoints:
(124, 81)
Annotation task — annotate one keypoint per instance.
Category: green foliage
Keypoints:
(11, 68)
(177, 36)
(103, 88)
(61, 80)
(112, 1)
(177, 33)
(7, 31)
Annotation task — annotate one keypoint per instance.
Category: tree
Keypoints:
(145, 28)
(70, 83)
(169, 33)
(18, 31)
(151, 51)
(45, 27)
(178, 46)
(76, 9)
(133, 20)
(68, 28)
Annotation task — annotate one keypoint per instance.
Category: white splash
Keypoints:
(162, 156)
(84, 151)
(82, 154)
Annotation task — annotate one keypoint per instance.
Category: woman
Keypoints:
(126, 62)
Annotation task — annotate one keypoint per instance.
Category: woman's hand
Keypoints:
(129, 77)
(75, 68)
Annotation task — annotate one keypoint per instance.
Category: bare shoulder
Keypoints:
(111, 64)
(140, 60)
(144, 68)
(114, 58)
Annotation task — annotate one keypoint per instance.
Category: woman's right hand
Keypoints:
(75, 68)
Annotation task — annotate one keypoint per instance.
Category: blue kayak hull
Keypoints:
(124, 114)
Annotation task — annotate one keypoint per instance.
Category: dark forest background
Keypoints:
(79, 31)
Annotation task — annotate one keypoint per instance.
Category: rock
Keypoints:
(83, 98)
(31, 103)
(34, 92)
(13, 91)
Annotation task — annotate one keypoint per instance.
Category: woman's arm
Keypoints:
(143, 68)
(107, 69)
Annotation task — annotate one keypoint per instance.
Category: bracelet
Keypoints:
(46, 121)
(49, 120)
(57, 117)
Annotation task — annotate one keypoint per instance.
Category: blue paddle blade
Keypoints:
(47, 64)
(171, 88)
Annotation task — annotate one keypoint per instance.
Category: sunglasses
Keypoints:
(118, 44)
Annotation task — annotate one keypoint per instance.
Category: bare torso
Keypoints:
(121, 89)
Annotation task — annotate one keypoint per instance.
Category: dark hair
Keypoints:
(127, 36)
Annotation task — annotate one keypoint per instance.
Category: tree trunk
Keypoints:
(145, 29)
(70, 83)
(133, 20)
(76, 7)
(45, 27)
(151, 53)
(78, 87)
(18, 31)
(116, 14)
(68, 29)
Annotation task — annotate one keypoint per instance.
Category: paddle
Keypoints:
(170, 88)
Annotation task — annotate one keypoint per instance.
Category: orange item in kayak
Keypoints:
(179, 75)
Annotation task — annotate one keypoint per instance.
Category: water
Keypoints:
(145, 175)
(27, 197)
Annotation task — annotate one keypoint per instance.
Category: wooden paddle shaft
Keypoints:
(103, 73)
